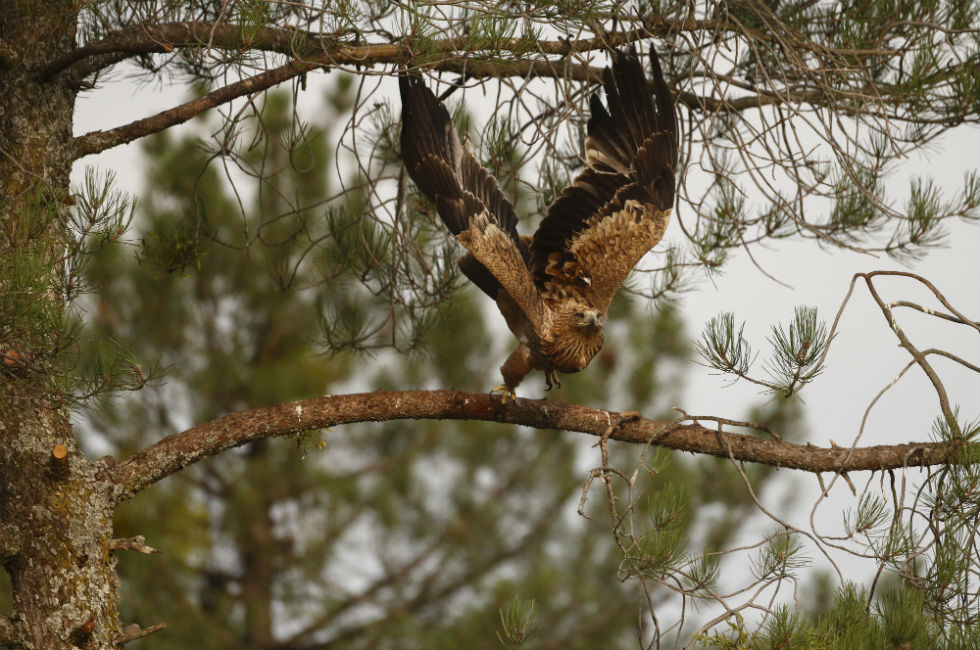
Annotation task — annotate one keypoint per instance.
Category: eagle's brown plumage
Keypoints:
(554, 289)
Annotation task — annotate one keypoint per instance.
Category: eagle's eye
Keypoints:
(580, 315)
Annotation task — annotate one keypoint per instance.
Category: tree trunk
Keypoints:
(55, 511)
(258, 570)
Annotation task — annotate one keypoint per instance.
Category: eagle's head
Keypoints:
(590, 319)
(576, 337)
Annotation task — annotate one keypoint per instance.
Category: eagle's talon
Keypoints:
(551, 379)
(505, 392)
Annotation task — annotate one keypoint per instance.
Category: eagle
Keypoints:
(554, 288)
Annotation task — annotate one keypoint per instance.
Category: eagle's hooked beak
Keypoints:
(591, 319)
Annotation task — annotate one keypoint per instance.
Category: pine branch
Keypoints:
(164, 38)
(312, 50)
(98, 141)
(433, 592)
(178, 451)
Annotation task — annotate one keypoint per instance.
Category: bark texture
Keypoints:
(55, 517)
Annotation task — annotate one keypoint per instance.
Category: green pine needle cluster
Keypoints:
(797, 350)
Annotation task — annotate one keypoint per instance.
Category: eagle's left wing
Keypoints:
(468, 199)
(619, 206)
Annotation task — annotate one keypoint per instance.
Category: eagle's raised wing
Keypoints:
(467, 198)
(619, 206)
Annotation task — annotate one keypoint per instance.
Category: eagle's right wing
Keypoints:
(619, 206)
(467, 197)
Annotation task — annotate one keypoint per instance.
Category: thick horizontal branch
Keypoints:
(166, 37)
(180, 450)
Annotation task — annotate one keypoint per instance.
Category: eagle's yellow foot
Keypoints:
(551, 379)
(505, 392)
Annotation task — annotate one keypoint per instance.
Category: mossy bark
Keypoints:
(55, 515)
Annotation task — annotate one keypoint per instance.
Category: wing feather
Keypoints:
(494, 249)
(619, 206)
(448, 173)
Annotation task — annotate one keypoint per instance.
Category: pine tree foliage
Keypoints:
(797, 350)
(40, 339)
(921, 533)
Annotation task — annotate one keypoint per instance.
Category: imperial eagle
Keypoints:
(554, 288)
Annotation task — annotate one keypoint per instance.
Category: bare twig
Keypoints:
(732, 423)
(133, 631)
(933, 312)
(920, 358)
(137, 543)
